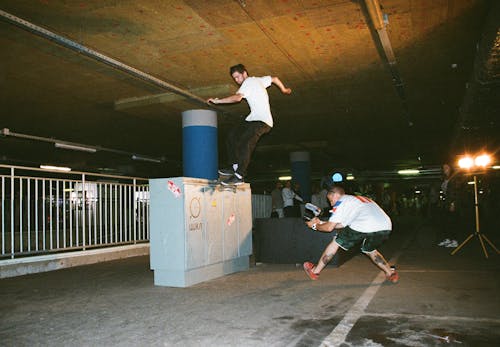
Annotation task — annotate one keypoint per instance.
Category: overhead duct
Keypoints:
(377, 20)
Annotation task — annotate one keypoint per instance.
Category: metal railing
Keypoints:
(45, 211)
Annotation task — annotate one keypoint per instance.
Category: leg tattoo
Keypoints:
(326, 258)
(379, 260)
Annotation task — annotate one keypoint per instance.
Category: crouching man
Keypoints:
(361, 220)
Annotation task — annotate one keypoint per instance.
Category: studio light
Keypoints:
(466, 162)
(482, 160)
(476, 165)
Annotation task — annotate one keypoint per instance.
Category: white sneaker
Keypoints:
(452, 244)
(444, 243)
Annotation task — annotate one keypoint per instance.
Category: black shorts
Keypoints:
(347, 237)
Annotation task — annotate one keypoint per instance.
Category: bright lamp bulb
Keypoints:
(466, 162)
(482, 160)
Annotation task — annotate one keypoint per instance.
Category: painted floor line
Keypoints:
(338, 335)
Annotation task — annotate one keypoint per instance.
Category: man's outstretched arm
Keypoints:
(319, 225)
(280, 85)
(227, 100)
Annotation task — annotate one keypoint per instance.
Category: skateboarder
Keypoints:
(242, 140)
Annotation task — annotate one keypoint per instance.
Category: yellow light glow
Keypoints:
(285, 178)
(466, 162)
(350, 177)
(482, 160)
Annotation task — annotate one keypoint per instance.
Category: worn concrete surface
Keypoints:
(440, 300)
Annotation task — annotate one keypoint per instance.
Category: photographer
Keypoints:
(360, 220)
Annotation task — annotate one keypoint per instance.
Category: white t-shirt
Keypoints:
(361, 214)
(254, 89)
(288, 197)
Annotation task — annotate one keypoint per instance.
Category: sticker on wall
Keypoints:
(174, 189)
(231, 219)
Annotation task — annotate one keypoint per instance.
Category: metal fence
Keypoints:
(45, 211)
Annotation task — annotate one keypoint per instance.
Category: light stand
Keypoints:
(477, 233)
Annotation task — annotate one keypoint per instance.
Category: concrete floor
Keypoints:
(440, 300)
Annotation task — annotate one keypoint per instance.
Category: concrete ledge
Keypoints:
(50, 262)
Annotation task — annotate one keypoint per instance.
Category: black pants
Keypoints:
(241, 143)
(450, 224)
(291, 211)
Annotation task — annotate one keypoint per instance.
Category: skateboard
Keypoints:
(216, 184)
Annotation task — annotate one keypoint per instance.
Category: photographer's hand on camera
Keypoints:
(313, 223)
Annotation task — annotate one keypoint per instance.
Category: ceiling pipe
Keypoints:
(377, 19)
(78, 146)
(63, 41)
(375, 14)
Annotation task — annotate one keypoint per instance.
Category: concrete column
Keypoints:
(301, 172)
(199, 144)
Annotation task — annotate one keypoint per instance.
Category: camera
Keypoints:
(311, 211)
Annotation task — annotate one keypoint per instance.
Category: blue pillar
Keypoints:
(199, 144)
(301, 172)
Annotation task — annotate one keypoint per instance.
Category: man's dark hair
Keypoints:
(237, 68)
(336, 189)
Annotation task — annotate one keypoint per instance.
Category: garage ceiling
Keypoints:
(350, 108)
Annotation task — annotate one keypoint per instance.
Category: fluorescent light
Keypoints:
(55, 168)
(496, 167)
(140, 157)
(470, 182)
(350, 177)
(75, 147)
(409, 172)
(285, 178)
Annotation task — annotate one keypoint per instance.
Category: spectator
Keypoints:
(277, 201)
(289, 197)
(449, 208)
